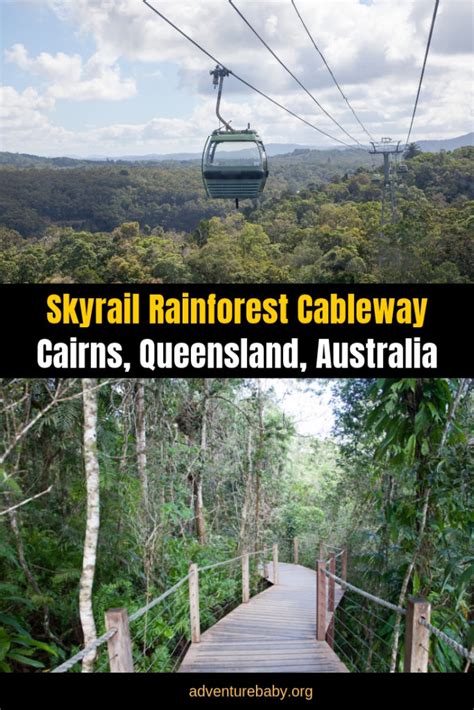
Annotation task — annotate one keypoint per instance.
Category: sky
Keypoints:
(309, 403)
(109, 77)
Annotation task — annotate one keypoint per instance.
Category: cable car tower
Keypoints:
(389, 149)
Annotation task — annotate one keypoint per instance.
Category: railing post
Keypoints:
(275, 563)
(344, 565)
(245, 578)
(321, 600)
(330, 633)
(295, 550)
(266, 565)
(194, 603)
(332, 583)
(120, 645)
(417, 637)
(331, 600)
(321, 551)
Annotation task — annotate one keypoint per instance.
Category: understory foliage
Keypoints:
(224, 470)
(407, 452)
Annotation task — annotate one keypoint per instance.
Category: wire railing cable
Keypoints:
(459, 648)
(144, 609)
(232, 559)
(300, 83)
(67, 665)
(179, 644)
(331, 72)
(367, 595)
(244, 81)
(433, 20)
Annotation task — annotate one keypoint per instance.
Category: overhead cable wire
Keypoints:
(300, 83)
(331, 72)
(433, 20)
(244, 81)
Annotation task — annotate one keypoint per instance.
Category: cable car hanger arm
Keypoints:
(218, 75)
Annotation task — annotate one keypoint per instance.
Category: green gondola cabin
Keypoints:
(234, 164)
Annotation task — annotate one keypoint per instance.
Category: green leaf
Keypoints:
(467, 574)
(416, 583)
(41, 645)
(11, 621)
(410, 448)
(21, 658)
(11, 485)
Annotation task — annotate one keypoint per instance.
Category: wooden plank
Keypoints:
(274, 631)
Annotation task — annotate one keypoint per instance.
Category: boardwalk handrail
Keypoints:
(94, 645)
(144, 609)
(104, 638)
(121, 643)
(367, 595)
(231, 559)
(459, 648)
(455, 645)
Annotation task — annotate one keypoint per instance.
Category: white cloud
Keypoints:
(375, 50)
(23, 120)
(363, 43)
(69, 78)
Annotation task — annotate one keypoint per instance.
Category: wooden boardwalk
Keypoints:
(274, 632)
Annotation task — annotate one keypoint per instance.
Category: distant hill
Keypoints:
(272, 149)
(25, 160)
(431, 146)
(447, 144)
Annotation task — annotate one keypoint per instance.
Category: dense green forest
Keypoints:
(196, 470)
(38, 193)
(319, 221)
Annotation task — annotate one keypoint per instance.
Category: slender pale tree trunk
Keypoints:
(248, 490)
(259, 463)
(198, 479)
(91, 465)
(141, 441)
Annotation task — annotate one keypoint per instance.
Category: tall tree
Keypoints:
(198, 478)
(91, 466)
(141, 440)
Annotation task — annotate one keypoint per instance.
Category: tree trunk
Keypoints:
(247, 492)
(15, 526)
(199, 511)
(198, 478)
(141, 441)
(259, 462)
(91, 465)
